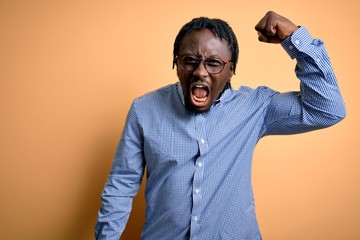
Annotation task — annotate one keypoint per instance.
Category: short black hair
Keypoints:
(219, 27)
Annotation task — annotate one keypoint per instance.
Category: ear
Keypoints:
(232, 70)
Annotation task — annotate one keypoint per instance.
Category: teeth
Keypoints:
(199, 86)
(199, 99)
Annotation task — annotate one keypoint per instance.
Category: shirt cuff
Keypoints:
(299, 41)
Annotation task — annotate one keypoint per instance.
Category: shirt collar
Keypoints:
(180, 92)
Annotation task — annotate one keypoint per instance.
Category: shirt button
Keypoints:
(297, 41)
(195, 218)
(317, 60)
(202, 141)
(197, 191)
(291, 47)
(200, 164)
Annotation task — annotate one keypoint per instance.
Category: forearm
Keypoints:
(321, 99)
(116, 207)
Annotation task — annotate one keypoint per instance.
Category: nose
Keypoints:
(201, 71)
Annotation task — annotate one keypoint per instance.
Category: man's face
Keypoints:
(200, 87)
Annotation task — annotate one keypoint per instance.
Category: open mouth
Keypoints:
(199, 94)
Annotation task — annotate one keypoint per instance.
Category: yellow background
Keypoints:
(70, 69)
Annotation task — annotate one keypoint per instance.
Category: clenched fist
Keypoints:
(273, 28)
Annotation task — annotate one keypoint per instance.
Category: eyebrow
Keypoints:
(200, 56)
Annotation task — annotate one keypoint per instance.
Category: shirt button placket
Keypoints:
(198, 176)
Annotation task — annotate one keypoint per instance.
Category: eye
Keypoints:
(213, 62)
(190, 60)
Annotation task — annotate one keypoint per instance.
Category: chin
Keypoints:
(197, 109)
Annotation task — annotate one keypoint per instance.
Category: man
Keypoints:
(196, 137)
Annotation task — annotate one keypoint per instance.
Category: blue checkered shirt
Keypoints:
(198, 181)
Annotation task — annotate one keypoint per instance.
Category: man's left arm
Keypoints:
(319, 103)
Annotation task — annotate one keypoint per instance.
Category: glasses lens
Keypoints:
(191, 63)
(214, 65)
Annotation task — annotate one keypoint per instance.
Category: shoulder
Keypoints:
(156, 95)
(157, 101)
(262, 92)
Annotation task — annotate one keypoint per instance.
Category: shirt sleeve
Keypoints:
(123, 182)
(319, 103)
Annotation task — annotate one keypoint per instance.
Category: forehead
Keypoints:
(204, 42)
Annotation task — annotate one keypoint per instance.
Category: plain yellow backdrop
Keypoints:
(70, 69)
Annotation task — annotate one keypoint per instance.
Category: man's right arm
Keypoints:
(123, 182)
